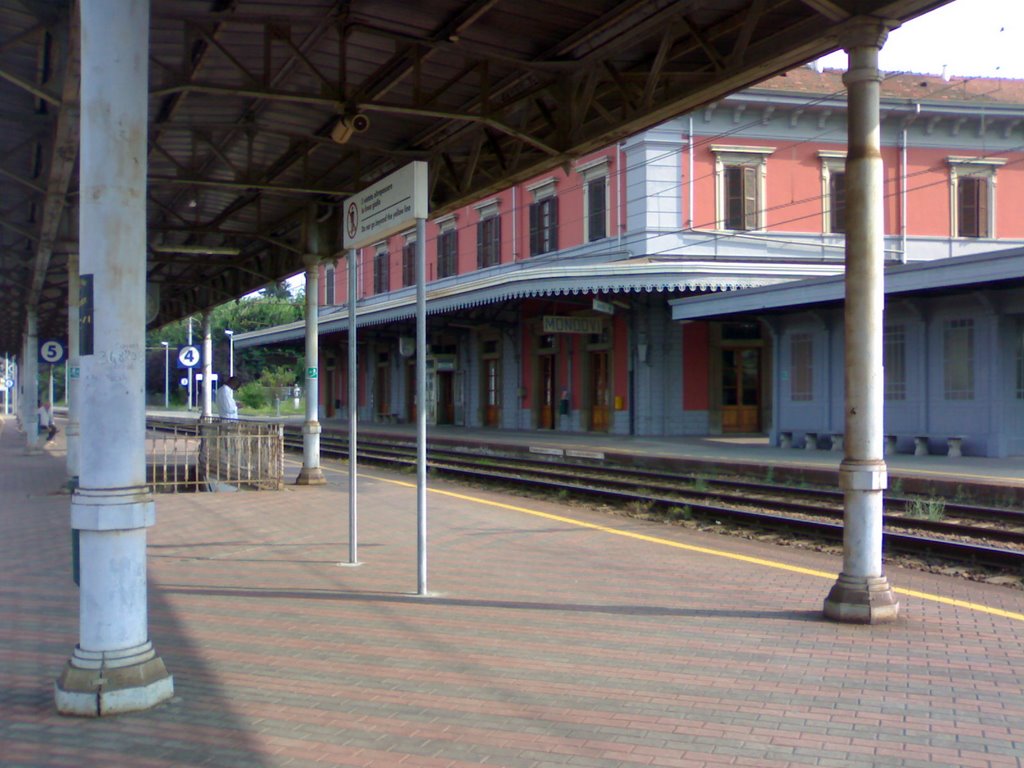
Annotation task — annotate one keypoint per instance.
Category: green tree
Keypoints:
(251, 313)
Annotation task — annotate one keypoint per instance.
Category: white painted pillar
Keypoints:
(311, 474)
(353, 413)
(15, 396)
(30, 373)
(74, 430)
(7, 392)
(421, 407)
(862, 593)
(114, 667)
(207, 367)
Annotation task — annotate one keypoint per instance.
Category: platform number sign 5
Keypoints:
(188, 356)
(51, 352)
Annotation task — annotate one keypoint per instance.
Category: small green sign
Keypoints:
(74, 372)
(311, 373)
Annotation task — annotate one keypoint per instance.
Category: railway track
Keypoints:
(963, 533)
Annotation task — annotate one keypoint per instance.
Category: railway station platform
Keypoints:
(997, 480)
(552, 635)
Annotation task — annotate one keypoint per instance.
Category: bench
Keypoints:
(838, 442)
(891, 445)
(388, 418)
(785, 439)
(811, 441)
(954, 445)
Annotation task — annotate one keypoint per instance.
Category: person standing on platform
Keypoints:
(226, 406)
(45, 418)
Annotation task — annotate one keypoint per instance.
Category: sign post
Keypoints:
(391, 205)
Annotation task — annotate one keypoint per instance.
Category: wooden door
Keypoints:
(410, 390)
(382, 391)
(741, 389)
(600, 393)
(546, 393)
(492, 400)
(445, 397)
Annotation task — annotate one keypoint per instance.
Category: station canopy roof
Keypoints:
(264, 115)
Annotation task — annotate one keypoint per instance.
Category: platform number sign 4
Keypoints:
(51, 352)
(188, 356)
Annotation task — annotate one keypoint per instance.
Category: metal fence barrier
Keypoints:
(216, 455)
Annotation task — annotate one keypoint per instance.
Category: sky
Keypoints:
(970, 37)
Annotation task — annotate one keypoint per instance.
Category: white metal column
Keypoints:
(114, 667)
(862, 593)
(73, 431)
(311, 474)
(207, 367)
(421, 406)
(353, 413)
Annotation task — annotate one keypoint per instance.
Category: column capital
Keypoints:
(311, 260)
(866, 32)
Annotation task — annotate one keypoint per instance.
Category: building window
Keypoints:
(833, 191)
(973, 196)
(488, 234)
(595, 199)
(958, 359)
(544, 226)
(381, 271)
(801, 367)
(740, 176)
(894, 360)
(448, 252)
(488, 242)
(329, 285)
(409, 263)
(972, 207)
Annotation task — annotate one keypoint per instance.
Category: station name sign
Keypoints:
(389, 206)
(561, 324)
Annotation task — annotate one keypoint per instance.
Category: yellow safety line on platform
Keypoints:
(693, 548)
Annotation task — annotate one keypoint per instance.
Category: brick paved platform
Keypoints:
(554, 636)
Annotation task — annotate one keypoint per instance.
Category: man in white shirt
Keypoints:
(226, 406)
(45, 418)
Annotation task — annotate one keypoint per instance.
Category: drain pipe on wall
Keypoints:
(623, 206)
(515, 224)
(689, 172)
(903, 181)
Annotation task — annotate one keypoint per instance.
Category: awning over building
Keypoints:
(946, 275)
(525, 280)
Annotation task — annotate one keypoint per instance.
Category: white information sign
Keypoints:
(389, 206)
(7, 384)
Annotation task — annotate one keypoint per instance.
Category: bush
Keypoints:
(251, 395)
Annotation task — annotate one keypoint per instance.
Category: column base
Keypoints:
(862, 600)
(311, 476)
(100, 684)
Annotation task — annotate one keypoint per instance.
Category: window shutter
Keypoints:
(837, 203)
(596, 209)
(981, 190)
(480, 244)
(750, 202)
(733, 198)
(535, 238)
(495, 241)
(553, 224)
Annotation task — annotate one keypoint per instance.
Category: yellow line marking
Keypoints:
(692, 548)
